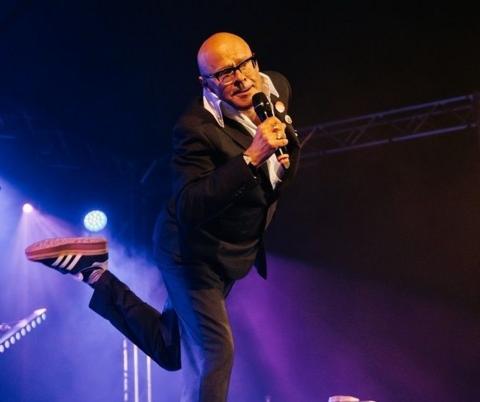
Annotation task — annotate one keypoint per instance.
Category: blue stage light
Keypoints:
(95, 221)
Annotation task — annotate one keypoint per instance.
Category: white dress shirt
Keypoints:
(218, 108)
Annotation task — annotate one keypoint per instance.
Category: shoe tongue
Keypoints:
(94, 275)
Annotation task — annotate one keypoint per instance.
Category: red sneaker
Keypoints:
(70, 255)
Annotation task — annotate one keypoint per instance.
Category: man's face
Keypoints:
(236, 89)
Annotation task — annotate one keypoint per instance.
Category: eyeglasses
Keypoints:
(227, 75)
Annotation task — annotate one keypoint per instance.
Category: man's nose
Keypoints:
(239, 76)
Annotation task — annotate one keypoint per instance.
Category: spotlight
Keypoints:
(27, 208)
(95, 221)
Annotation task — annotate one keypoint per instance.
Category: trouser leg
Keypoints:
(153, 332)
(206, 337)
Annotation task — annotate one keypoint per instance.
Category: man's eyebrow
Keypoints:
(228, 66)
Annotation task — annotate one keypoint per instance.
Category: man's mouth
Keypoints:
(243, 91)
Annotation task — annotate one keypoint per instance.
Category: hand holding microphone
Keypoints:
(270, 136)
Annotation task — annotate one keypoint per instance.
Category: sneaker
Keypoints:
(70, 255)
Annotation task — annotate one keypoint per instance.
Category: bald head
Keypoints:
(223, 51)
(219, 47)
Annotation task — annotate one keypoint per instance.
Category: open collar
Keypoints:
(215, 106)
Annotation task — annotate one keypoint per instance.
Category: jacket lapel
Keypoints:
(282, 117)
(242, 137)
(237, 133)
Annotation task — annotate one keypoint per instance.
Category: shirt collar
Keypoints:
(213, 104)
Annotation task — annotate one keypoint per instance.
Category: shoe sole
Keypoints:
(52, 248)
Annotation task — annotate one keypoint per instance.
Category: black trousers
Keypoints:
(153, 332)
(195, 317)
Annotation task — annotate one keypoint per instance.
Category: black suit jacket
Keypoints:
(219, 209)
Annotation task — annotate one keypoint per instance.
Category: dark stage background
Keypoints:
(374, 257)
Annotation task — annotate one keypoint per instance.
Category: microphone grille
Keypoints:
(259, 99)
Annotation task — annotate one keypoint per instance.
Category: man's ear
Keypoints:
(203, 82)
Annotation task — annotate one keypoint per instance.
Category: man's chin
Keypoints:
(242, 100)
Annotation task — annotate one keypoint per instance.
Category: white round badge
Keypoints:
(279, 106)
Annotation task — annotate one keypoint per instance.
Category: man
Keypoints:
(226, 182)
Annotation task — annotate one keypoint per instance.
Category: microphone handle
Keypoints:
(264, 111)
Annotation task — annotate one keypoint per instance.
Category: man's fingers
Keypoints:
(284, 160)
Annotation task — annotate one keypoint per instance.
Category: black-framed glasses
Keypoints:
(227, 75)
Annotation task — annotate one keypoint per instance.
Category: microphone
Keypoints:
(263, 109)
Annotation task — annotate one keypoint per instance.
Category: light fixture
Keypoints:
(27, 208)
(95, 220)
(9, 335)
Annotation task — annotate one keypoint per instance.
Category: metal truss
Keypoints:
(9, 124)
(43, 141)
(395, 125)
(9, 335)
(407, 123)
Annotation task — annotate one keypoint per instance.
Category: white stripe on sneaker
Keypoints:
(58, 260)
(74, 262)
(66, 261)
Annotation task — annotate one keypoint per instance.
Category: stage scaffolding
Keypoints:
(407, 123)
(403, 124)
